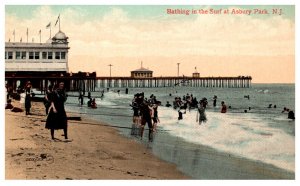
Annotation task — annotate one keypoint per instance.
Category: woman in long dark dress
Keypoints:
(28, 94)
(57, 117)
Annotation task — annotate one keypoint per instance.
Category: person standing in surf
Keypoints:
(224, 107)
(146, 118)
(155, 116)
(202, 114)
(215, 101)
(136, 119)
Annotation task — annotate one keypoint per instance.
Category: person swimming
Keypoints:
(291, 115)
(93, 103)
(180, 115)
(168, 104)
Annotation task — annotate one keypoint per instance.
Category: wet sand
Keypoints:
(205, 163)
(98, 151)
(95, 152)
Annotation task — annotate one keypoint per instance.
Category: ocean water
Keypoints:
(261, 135)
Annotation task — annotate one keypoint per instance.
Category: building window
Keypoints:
(37, 55)
(63, 55)
(57, 55)
(44, 55)
(30, 55)
(5, 54)
(18, 55)
(9, 55)
(49, 55)
(23, 55)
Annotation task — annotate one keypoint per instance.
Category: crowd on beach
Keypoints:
(189, 102)
(144, 110)
(92, 101)
(54, 101)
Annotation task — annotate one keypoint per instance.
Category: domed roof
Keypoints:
(142, 69)
(49, 40)
(60, 36)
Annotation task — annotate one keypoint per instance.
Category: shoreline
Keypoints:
(200, 161)
(105, 142)
(207, 163)
(96, 152)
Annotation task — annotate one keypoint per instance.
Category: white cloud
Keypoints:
(205, 35)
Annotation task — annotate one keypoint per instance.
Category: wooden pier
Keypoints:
(152, 82)
(88, 82)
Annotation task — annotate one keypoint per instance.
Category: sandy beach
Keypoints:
(95, 152)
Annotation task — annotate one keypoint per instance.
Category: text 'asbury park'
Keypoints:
(234, 11)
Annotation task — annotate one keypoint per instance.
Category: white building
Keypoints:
(33, 58)
(142, 72)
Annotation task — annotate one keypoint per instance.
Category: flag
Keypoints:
(40, 32)
(33, 40)
(48, 26)
(57, 20)
(27, 32)
(9, 40)
(14, 32)
(21, 40)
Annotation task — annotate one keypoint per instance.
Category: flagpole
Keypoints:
(59, 22)
(40, 36)
(27, 34)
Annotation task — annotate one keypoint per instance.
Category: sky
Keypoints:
(219, 44)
